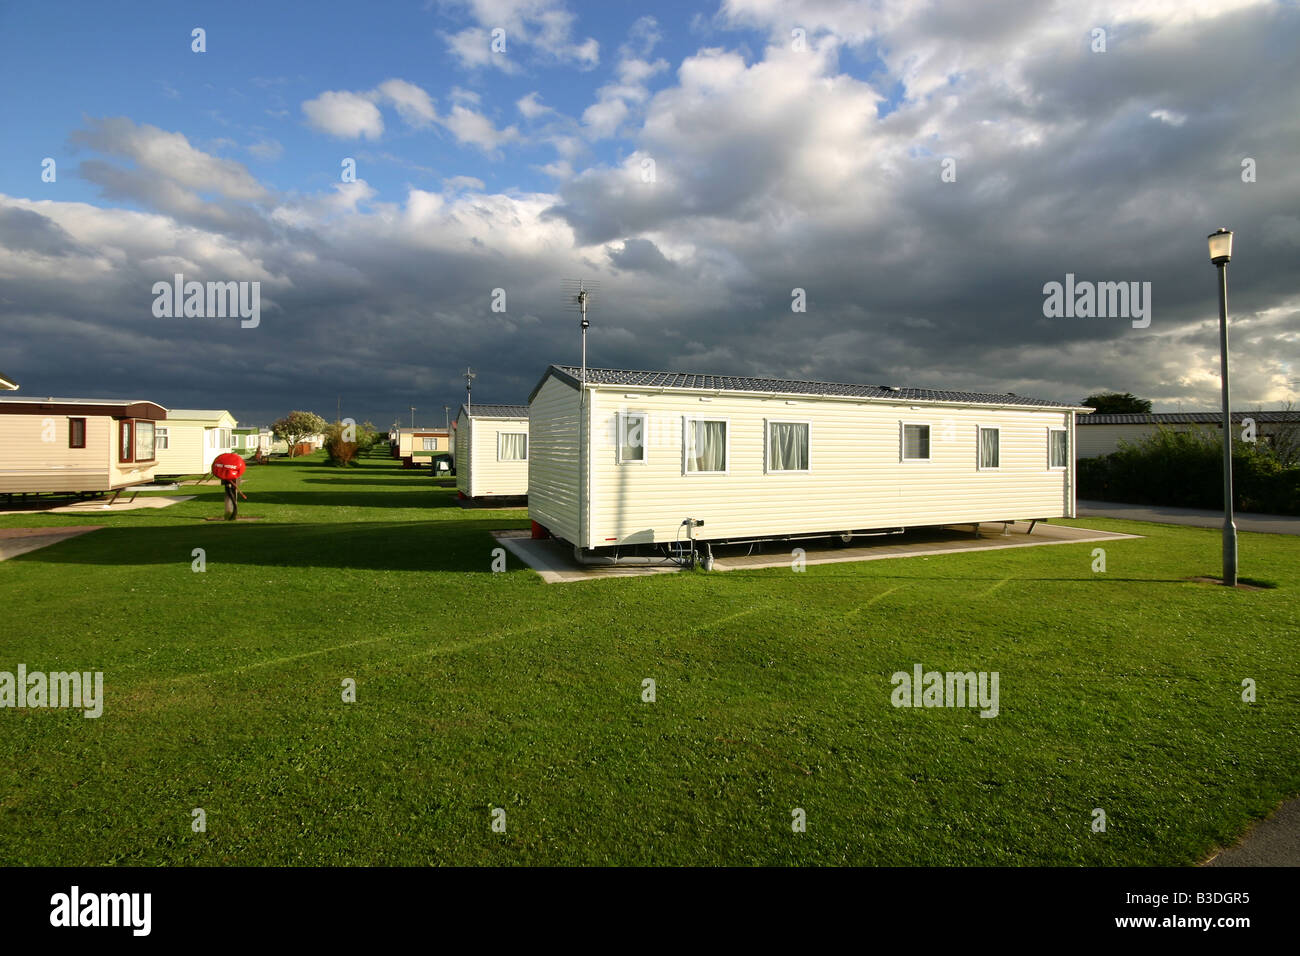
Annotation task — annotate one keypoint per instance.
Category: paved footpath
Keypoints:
(1274, 841)
(1199, 517)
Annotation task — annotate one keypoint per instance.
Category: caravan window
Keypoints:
(126, 440)
(160, 438)
(704, 446)
(144, 441)
(915, 442)
(512, 446)
(1058, 448)
(631, 438)
(430, 444)
(787, 446)
(76, 433)
(990, 440)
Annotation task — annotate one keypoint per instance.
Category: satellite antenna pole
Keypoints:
(470, 375)
(578, 294)
(582, 311)
(412, 407)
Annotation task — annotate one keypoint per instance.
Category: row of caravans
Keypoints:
(85, 445)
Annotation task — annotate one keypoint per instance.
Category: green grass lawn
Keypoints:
(477, 690)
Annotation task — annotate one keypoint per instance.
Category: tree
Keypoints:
(296, 426)
(1113, 403)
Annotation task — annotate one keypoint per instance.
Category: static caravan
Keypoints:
(1101, 434)
(644, 458)
(192, 438)
(492, 451)
(417, 446)
(74, 445)
(250, 441)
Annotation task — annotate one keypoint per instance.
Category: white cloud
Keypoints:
(413, 104)
(543, 28)
(531, 106)
(476, 129)
(345, 115)
(462, 183)
(170, 157)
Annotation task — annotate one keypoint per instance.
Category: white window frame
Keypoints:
(726, 446)
(161, 437)
(978, 449)
(526, 448)
(425, 442)
(1058, 428)
(620, 429)
(902, 441)
(767, 439)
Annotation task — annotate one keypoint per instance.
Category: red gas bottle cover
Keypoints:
(228, 466)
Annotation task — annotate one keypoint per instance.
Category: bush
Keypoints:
(337, 451)
(1185, 469)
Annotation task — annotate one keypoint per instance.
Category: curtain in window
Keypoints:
(143, 441)
(787, 446)
(916, 441)
(708, 447)
(632, 441)
(513, 446)
(988, 448)
(125, 443)
(1060, 449)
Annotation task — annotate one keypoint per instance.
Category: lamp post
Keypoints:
(1221, 255)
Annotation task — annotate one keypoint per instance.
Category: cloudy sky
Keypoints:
(919, 170)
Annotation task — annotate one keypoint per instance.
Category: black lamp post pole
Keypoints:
(1229, 526)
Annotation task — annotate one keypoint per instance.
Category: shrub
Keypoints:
(1185, 469)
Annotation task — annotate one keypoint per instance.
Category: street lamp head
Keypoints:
(1220, 246)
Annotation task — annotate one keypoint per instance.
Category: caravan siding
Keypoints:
(30, 463)
(185, 451)
(489, 476)
(463, 454)
(855, 477)
(553, 459)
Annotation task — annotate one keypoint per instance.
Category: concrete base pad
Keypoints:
(554, 560)
(97, 506)
(16, 541)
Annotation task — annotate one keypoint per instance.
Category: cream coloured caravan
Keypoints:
(492, 451)
(62, 445)
(640, 453)
(192, 438)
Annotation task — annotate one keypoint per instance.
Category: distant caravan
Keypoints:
(492, 452)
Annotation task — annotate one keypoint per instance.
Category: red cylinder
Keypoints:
(228, 466)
